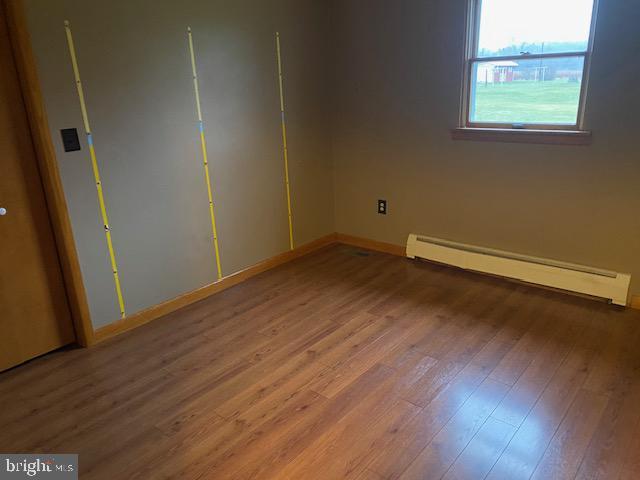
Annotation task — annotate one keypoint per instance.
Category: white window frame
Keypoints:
(474, 9)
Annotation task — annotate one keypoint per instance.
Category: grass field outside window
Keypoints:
(548, 102)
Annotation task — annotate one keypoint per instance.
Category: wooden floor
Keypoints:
(347, 365)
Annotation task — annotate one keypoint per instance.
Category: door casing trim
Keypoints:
(48, 167)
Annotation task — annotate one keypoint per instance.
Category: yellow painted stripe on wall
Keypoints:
(96, 169)
(205, 158)
(285, 147)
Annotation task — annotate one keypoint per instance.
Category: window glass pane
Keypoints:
(512, 27)
(545, 91)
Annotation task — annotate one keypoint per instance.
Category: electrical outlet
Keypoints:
(382, 207)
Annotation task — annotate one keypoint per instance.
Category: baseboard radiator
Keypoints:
(609, 285)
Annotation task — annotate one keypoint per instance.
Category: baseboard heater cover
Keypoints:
(606, 284)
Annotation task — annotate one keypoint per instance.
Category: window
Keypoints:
(527, 63)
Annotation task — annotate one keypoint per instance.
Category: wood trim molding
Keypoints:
(398, 250)
(635, 302)
(169, 306)
(48, 166)
(510, 135)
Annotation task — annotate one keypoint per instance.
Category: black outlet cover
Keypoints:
(382, 207)
(70, 139)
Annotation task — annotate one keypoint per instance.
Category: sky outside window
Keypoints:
(555, 25)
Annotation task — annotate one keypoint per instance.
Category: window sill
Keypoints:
(512, 135)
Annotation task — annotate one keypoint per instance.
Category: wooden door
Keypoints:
(34, 313)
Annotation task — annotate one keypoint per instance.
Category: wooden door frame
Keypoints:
(49, 173)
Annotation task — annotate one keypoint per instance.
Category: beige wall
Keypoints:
(396, 90)
(372, 92)
(135, 66)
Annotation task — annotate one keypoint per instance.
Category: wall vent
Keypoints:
(596, 282)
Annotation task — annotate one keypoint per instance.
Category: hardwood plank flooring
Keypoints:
(347, 364)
